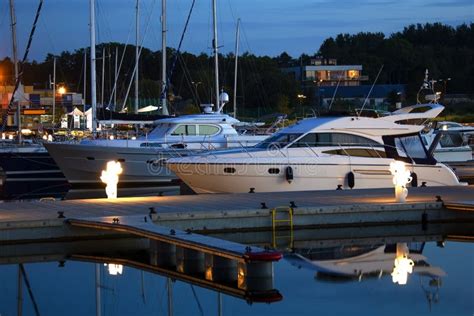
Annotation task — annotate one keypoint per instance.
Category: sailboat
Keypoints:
(27, 170)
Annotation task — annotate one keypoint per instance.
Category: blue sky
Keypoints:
(269, 27)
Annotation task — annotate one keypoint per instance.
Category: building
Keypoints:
(324, 80)
(37, 105)
(326, 72)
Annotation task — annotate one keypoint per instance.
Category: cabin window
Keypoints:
(278, 140)
(188, 130)
(357, 152)
(451, 140)
(208, 130)
(273, 171)
(229, 170)
(333, 139)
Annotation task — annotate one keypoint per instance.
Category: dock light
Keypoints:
(111, 137)
(134, 138)
(50, 138)
(10, 137)
(45, 137)
(3, 136)
(114, 269)
(401, 177)
(402, 265)
(110, 176)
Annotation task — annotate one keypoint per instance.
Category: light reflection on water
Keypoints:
(71, 289)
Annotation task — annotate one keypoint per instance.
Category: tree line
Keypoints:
(448, 52)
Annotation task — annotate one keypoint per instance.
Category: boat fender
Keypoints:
(414, 179)
(289, 174)
(350, 179)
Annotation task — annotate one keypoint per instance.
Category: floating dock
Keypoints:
(30, 221)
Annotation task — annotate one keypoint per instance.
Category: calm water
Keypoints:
(70, 289)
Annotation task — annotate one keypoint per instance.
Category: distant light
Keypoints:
(50, 138)
(114, 269)
(10, 137)
(444, 128)
(61, 90)
(3, 135)
(45, 137)
(111, 137)
(134, 137)
(26, 131)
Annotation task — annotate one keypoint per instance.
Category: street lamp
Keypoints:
(61, 90)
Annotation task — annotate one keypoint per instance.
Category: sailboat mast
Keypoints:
(15, 61)
(93, 70)
(137, 52)
(216, 52)
(237, 35)
(163, 59)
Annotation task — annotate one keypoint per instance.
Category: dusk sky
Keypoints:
(268, 27)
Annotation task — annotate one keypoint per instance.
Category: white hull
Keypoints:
(83, 164)
(326, 174)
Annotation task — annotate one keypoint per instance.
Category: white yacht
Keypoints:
(323, 153)
(141, 158)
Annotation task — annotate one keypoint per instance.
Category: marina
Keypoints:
(183, 173)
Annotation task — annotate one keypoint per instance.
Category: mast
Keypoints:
(115, 77)
(54, 90)
(137, 53)
(216, 52)
(15, 61)
(163, 59)
(235, 66)
(93, 73)
(85, 79)
(102, 81)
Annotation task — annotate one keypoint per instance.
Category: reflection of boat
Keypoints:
(322, 153)
(376, 261)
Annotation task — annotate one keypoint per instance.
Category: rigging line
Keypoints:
(30, 292)
(197, 300)
(178, 50)
(333, 96)
(258, 80)
(189, 81)
(20, 70)
(139, 54)
(370, 91)
(121, 63)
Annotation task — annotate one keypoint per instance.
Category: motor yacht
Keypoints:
(141, 158)
(323, 153)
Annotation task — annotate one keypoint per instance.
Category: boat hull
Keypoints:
(27, 175)
(82, 165)
(211, 177)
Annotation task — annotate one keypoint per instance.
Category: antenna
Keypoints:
(370, 91)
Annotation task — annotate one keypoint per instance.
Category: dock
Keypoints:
(24, 221)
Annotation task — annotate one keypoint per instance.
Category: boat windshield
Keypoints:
(160, 130)
(278, 140)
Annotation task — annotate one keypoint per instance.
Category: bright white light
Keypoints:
(114, 269)
(111, 137)
(3, 135)
(402, 265)
(50, 138)
(401, 177)
(110, 176)
(134, 138)
(45, 137)
(10, 137)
